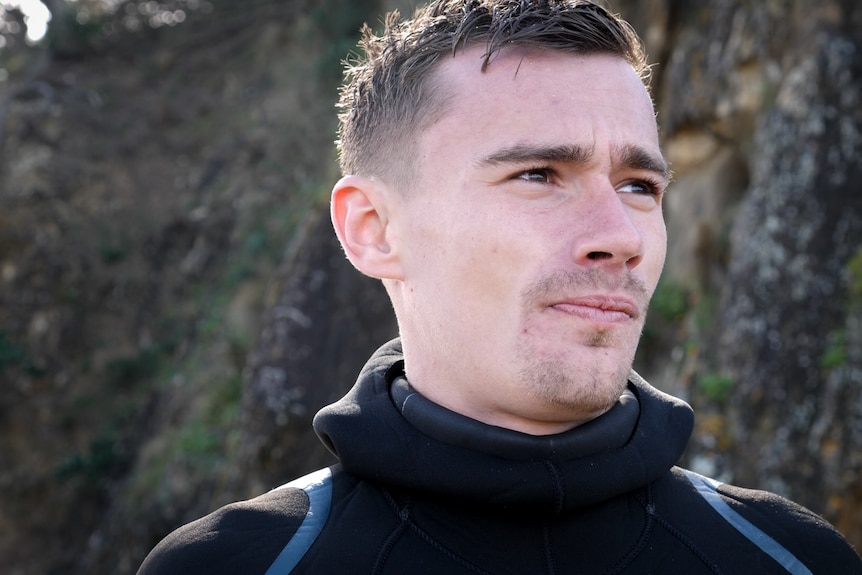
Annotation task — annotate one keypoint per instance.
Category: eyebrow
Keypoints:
(628, 156)
(631, 156)
(520, 153)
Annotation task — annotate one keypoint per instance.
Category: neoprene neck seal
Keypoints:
(610, 431)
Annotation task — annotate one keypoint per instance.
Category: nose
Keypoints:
(609, 236)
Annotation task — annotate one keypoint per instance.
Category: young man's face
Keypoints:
(532, 239)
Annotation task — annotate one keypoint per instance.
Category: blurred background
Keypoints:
(174, 308)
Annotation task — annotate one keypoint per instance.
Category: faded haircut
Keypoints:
(389, 94)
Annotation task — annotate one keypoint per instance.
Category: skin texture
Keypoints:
(521, 262)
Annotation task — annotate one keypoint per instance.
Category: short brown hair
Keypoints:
(387, 96)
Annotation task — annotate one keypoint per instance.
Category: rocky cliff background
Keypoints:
(174, 308)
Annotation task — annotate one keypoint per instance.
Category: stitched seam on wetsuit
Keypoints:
(649, 509)
(559, 490)
(445, 550)
(383, 553)
(549, 556)
(684, 540)
(404, 514)
(389, 542)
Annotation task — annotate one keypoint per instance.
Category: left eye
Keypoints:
(639, 187)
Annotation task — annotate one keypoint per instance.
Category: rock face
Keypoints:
(326, 321)
(174, 307)
(787, 308)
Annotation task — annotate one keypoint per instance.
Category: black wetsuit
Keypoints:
(421, 490)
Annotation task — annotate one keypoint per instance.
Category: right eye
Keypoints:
(537, 175)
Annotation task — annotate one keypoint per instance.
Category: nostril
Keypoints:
(599, 255)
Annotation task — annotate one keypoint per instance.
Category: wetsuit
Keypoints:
(420, 490)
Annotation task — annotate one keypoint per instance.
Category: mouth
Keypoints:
(604, 309)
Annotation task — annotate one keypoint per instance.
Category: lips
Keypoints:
(600, 308)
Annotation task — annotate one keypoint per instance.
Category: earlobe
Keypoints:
(360, 215)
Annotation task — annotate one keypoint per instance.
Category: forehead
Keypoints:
(542, 97)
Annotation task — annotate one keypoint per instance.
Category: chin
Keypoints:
(589, 370)
(588, 386)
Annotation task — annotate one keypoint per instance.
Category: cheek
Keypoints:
(656, 252)
(480, 265)
(474, 259)
(486, 270)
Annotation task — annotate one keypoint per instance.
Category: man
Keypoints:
(504, 181)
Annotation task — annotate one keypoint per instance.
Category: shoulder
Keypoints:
(247, 536)
(798, 539)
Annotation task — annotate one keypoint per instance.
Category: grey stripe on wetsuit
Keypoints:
(708, 489)
(318, 486)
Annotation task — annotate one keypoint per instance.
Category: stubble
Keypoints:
(590, 385)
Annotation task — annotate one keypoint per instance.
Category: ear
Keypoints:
(360, 211)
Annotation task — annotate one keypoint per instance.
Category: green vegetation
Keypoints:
(705, 311)
(835, 354)
(202, 441)
(127, 371)
(838, 344)
(112, 253)
(670, 301)
(104, 457)
(339, 21)
(715, 386)
(10, 353)
(197, 447)
(854, 270)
